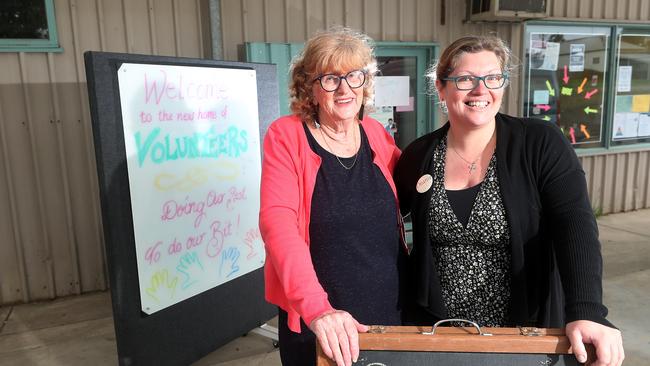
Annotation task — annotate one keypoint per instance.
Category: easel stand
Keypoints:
(267, 331)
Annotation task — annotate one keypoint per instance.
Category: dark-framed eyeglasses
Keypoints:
(469, 82)
(331, 82)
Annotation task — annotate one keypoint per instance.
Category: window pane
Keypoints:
(566, 76)
(399, 121)
(632, 106)
(23, 19)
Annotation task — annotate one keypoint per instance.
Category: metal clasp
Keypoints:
(377, 329)
(478, 328)
(530, 331)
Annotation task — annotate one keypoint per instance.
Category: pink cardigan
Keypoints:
(289, 171)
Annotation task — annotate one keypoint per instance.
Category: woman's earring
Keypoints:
(443, 107)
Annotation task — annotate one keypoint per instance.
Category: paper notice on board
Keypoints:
(623, 103)
(391, 91)
(641, 103)
(644, 125)
(624, 83)
(540, 96)
(577, 58)
(544, 55)
(626, 125)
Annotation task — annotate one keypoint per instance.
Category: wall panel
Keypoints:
(644, 10)
(19, 159)
(12, 259)
(644, 181)
(87, 227)
(89, 38)
(372, 18)
(391, 21)
(425, 20)
(334, 12)
(354, 16)
(113, 24)
(274, 20)
(297, 25)
(314, 13)
(627, 180)
(598, 179)
(162, 16)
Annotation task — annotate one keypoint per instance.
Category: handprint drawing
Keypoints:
(191, 268)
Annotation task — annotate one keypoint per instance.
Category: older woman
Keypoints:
(329, 215)
(504, 234)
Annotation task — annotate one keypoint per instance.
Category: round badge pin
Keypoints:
(424, 183)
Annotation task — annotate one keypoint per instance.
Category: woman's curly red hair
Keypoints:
(336, 50)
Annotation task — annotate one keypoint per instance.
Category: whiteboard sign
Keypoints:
(193, 157)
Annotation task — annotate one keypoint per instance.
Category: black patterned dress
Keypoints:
(473, 261)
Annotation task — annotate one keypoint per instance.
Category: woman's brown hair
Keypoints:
(470, 44)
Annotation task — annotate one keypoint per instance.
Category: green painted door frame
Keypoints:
(281, 54)
(424, 54)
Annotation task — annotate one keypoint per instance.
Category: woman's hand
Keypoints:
(338, 335)
(607, 341)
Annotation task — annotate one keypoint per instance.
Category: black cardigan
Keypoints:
(553, 231)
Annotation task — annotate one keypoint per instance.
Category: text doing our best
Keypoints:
(174, 209)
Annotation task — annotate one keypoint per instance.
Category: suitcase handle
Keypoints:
(478, 328)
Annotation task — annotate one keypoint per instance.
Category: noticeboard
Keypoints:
(566, 76)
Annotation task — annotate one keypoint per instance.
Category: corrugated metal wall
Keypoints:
(617, 181)
(50, 222)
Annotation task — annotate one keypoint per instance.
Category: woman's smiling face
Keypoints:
(342, 104)
(480, 105)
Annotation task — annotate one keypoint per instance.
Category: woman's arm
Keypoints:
(571, 224)
(288, 253)
(566, 206)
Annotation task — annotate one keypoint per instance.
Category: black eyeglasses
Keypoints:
(331, 82)
(469, 82)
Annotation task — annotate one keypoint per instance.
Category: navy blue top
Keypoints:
(354, 236)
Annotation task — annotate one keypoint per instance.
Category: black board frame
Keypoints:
(187, 331)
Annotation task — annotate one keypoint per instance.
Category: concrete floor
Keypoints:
(79, 330)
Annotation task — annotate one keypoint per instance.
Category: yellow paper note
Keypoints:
(641, 103)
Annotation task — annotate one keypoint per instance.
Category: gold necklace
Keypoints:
(339, 140)
(356, 154)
